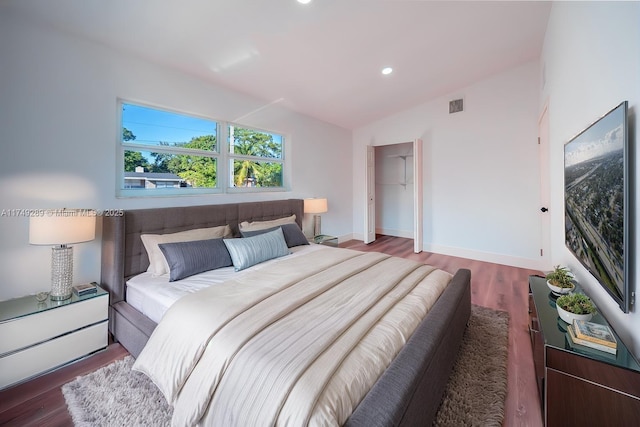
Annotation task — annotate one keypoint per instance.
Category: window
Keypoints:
(169, 153)
(164, 152)
(255, 158)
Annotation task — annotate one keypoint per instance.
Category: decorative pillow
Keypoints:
(188, 258)
(157, 264)
(261, 225)
(256, 249)
(292, 234)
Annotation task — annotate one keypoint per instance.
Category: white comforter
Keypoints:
(299, 342)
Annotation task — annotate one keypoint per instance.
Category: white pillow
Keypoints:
(261, 225)
(157, 263)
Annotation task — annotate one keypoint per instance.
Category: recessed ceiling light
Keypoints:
(387, 70)
(304, 1)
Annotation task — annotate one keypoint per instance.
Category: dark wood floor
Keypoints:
(40, 402)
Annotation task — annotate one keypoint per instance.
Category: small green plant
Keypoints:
(560, 277)
(576, 304)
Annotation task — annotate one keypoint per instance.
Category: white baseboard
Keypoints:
(356, 236)
(397, 233)
(514, 261)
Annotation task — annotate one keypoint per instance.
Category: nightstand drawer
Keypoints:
(39, 358)
(26, 331)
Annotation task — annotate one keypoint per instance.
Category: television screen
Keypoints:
(597, 199)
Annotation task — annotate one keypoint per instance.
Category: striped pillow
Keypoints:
(157, 263)
(253, 250)
(188, 258)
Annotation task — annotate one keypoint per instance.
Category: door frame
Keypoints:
(545, 186)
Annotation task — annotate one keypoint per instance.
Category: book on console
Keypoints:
(575, 340)
(85, 289)
(595, 333)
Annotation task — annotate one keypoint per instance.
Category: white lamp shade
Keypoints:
(315, 206)
(63, 227)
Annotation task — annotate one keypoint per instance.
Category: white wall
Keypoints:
(591, 63)
(481, 177)
(59, 134)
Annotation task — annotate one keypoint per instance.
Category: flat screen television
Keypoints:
(596, 190)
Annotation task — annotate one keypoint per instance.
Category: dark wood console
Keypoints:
(579, 386)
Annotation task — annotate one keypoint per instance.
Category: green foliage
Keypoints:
(132, 159)
(271, 175)
(560, 277)
(204, 143)
(249, 172)
(127, 135)
(160, 162)
(254, 143)
(576, 303)
(198, 171)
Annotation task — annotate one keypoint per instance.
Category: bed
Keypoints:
(408, 391)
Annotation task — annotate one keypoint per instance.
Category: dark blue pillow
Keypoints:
(188, 258)
(292, 234)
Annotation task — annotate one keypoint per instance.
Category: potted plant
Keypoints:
(560, 280)
(575, 306)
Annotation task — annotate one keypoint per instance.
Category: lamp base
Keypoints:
(61, 273)
(316, 225)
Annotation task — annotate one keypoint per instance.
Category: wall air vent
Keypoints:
(455, 106)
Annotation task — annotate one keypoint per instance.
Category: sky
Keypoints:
(150, 126)
(604, 136)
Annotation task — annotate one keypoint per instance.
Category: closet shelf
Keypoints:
(404, 160)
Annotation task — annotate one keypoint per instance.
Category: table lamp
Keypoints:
(61, 227)
(315, 206)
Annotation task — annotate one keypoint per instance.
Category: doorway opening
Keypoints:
(394, 192)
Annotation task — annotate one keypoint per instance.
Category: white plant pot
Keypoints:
(568, 317)
(560, 291)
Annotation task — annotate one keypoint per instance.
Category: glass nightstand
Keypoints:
(36, 337)
(29, 305)
(323, 239)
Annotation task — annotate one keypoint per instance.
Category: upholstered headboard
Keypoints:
(123, 254)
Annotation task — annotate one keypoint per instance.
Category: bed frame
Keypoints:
(409, 391)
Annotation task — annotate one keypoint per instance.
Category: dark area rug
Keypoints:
(117, 396)
(477, 388)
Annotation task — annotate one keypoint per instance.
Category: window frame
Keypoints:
(222, 156)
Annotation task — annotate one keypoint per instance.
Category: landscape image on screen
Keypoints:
(594, 199)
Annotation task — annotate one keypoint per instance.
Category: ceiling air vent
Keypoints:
(455, 106)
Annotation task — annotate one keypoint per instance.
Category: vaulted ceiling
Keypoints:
(323, 59)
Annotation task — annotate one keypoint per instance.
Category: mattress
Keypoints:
(152, 296)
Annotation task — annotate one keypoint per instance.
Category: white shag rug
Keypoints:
(116, 396)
